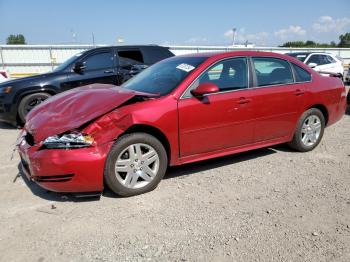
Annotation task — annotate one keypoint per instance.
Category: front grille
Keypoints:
(29, 139)
(58, 178)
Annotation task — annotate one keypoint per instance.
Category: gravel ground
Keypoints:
(270, 204)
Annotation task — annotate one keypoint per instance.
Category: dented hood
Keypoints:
(72, 109)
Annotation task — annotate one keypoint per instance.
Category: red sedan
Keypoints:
(181, 110)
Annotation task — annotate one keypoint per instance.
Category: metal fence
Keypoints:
(22, 60)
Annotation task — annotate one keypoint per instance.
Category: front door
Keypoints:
(99, 67)
(221, 120)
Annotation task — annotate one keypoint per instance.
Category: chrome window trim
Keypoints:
(249, 87)
(220, 92)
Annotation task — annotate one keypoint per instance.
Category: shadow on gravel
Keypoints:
(347, 112)
(53, 196)
(178, 171)
(7, 126)
(189, 169)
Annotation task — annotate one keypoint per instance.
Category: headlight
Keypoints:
(73, 140)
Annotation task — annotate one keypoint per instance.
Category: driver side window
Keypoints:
(229, 74)
(99, 61)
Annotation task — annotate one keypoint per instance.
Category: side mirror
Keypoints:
(312, 65)
(78, 67)
(204, 89)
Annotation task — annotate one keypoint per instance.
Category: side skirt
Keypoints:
(229, 151)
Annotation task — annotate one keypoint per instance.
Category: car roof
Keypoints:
(309, 53)
(219, 55)
(129, 46)
(215, 56)
(299, 53)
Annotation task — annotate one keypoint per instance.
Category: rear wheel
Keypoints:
(309, 131)
(135, 165)
(29, 102)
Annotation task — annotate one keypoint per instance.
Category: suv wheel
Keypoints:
(29, 102)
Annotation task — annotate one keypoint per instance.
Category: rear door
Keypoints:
(278, 99)
(221, 120)
(330, 64)
(99, 67)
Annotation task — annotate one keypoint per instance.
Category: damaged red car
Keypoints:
(180, 110)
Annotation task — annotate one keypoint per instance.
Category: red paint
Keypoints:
(71, 109)
(195, 128)
(204, 89)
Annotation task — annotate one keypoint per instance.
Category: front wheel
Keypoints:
(136, 163)
(309, 131)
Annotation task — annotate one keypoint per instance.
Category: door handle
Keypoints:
(299, 92)
(243, 100)
(108, 71)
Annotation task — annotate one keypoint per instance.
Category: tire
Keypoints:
(132, 168)
(29, 102)
(309, 131)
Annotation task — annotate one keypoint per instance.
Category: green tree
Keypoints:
(16, 40)
(344, 40)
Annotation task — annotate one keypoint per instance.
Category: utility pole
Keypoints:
(233, 35)
(74, 36)
(93, 39)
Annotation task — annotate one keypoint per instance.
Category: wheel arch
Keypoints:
(21, 95)
(33, 90)
(153, 131)
(323, 110)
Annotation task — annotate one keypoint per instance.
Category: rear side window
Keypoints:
(301, 75)
(330, 59)
(130, 57)
(99, 61)
(153, 55)
(272, 71)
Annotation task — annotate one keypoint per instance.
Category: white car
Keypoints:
(321, 62)
(4, 76)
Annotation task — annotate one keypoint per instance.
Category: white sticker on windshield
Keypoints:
(185, 67)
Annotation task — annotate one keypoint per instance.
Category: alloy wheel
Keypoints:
(311, 130)
(137, 165)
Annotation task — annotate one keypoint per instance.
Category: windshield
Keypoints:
(66, 63)
(161, 78)
(301, 57)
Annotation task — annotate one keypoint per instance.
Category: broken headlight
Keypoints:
(73, 140)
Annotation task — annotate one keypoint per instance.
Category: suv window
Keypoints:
(272, 71)
(301, 75)
(130, 57)
(99, 61)
(152, 55)
(229, 74)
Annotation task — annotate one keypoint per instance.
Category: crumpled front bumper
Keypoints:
(64, 170)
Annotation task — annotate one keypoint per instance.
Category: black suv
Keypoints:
(108, 65)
